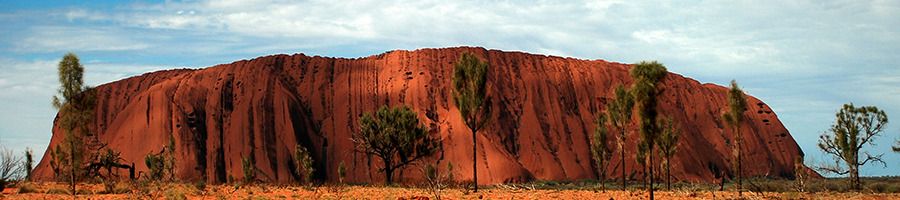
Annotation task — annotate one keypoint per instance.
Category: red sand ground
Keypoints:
(171, 191)
(544, 108)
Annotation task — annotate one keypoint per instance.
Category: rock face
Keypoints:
(544, 108)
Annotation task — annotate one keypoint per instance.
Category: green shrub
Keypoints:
(173, 194)
(303, 163)
(249, 168)
(200, 186)
(161, 165)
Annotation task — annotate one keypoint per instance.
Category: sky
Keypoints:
(803, 58)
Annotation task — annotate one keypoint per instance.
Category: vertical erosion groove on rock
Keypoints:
(542, 117)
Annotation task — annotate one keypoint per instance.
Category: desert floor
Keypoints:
(192, 191)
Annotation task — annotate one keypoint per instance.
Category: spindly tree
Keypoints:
(647, 76)
(75, 103)
(641, 159)
(668, 145)
(737, 105)
(10, 167)
(854, 127)
(29, 163)
(599, 149)
(799, 173)
(396, 136)
(619, 112)
(303, 163)
(470, 96)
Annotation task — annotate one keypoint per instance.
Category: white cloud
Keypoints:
(84, 14)
(62, 38)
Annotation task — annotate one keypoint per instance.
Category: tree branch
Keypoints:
(869, 157)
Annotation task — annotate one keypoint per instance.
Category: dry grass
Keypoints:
(539, 190)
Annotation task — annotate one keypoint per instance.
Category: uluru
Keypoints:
(544, 108)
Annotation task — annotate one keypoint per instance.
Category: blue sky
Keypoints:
(804, 58)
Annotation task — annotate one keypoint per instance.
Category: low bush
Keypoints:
(174, 194)
(25, 188)
(83, 191)
(200, 186)
(248, 165)
(57, 191)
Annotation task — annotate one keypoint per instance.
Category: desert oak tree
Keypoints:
(668, 145)
(644, 90)
(619, 115)
(75, 103)
(853, 128)
(396, 136)
(470, 96)
(599, 149)
(737, 105)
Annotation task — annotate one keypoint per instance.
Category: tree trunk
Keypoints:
(474, 160)
(854, 172)
(644, 174)
(740, 169)
(72, 163)
(722, 183)
(602, 177)
(668, 175)
(388, 170)
(622, 149)
(388, 178)
(650, 155)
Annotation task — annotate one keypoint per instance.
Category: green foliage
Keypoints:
(161, 165)
(58, 159)
(175, 194)
(619, 111)
(156, 165)
(200, 185)
(854, 127)
(75, 103)
(248, 165)
(600, 150)
(470, 91)
(668, 145)
(737, 105)
(619, 115)
(396, 136)
(646, 76)
(668, 140)
(109, 160)
(641, 156)
(29, 163)
(470, 94)
(303, 163)
(644, 92)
